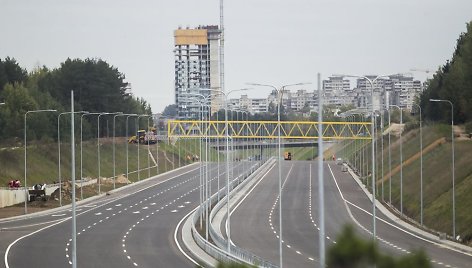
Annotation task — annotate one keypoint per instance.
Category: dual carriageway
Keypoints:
(135, 226)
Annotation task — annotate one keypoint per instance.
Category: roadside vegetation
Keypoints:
(351, 251)
(42, 163)
(437, 175)
(451, 82)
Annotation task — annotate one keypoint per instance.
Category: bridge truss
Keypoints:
(269, 129)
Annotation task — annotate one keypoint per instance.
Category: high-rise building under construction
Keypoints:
(196, 69)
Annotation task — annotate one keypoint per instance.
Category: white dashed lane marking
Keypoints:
(136, 212)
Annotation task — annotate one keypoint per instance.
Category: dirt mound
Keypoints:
(395, 129)
(120, 179)
(66, 192)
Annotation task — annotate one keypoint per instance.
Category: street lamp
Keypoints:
(149, 167)
(401, 158)
(280, 92)
(127, 142)
(382, 149)
(372, 133)
(114, 163)
(205, 169)
(81, 153)
(26, 188)
(59, 150)
(389, 158)
(137, 129)
(228, 215)
(98, 146)
(157, 144)
(421, 166)
(453, 169)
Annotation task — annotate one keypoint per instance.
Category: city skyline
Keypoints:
(275, 42)
(400, 90)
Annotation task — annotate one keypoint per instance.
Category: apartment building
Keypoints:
(196, 68)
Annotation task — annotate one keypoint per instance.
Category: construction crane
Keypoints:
(427, 71)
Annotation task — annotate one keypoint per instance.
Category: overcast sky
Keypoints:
(267, 41)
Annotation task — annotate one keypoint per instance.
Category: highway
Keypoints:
(255, 224)
(132, 227)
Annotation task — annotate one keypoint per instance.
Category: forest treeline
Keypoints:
(453, 82)
(98, 87)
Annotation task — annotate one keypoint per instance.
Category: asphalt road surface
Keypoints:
(255, 223)
(133, 227)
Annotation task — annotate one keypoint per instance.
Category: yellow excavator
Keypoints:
(144, 137)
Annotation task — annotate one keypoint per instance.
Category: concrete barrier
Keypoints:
(10, 197)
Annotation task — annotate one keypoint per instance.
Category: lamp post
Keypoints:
(350, 118)
(372, 133)
(203, 102)
(149, 166)
(81, 153)
(389, 159)
(127, 142)
(382, 150)
(401, 159)
(59, 177)
(157, 145)
(98, 146)
(114, 163)
(280, 92)
(453, 169)
(137, 129)
(228, 215)
(421, 166)
(26, 188)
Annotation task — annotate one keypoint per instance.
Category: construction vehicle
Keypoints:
(144, 137)
(287, 156)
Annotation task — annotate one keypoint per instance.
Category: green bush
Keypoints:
(352, 251)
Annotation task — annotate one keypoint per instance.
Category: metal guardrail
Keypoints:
(217, 250)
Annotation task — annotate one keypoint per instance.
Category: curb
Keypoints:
(187, 236)
(192, 246)
(90, 199)
(408, 226)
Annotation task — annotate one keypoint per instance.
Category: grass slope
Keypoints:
(437, 176)
(42, 160)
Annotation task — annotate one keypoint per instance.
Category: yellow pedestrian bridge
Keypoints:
(269, 129)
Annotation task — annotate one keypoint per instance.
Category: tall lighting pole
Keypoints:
(372, 133)
(127, 142)
(203, 100)
(59, 176)
(401, 158)
(389, 159)
(421, 166)
(204, 104)
(321, 212)
(98, 146)
(279, 93)
(149, 167)
(81, 153)
(26, 186)
(137, 128)
(74, 217)
(382, 149)
(228, 215)
(114, 134)
(453, 169)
